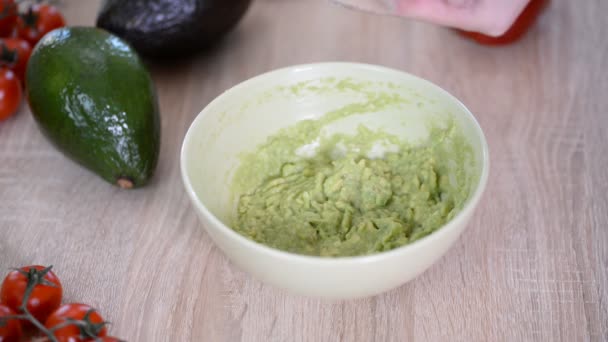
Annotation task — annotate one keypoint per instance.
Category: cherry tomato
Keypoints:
(11, 331)
(11, 95)
(14, 53)
(522, 24)
(92, 326)
(46, 294)
(39, 20)
(8, 17)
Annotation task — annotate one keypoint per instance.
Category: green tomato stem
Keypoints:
(40, 327)
(34, 278)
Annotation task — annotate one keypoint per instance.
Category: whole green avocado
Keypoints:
(93, 98)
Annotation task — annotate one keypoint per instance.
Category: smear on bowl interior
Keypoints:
(349, 195)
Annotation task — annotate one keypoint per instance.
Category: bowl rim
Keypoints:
(423, 242)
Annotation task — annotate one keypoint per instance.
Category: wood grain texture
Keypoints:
(532, 267)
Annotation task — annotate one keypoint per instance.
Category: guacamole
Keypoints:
(355, 195)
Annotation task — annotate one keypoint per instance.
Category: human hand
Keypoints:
(490, 17)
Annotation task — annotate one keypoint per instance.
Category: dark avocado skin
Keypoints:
(94, 99)
(171, 28)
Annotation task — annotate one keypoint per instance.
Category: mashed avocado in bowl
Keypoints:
(335, 180)
(355, 194)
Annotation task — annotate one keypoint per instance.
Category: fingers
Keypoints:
(491, 17)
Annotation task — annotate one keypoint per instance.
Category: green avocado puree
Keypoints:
(346, 198)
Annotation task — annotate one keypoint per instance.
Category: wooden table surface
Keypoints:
(533, 264)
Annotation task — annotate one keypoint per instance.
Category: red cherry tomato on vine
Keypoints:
(14, 53)
(92, 325)
(47, 291)
(39, 20)
(11, 95)
(522, 24)
(8, 17)
(11, 331)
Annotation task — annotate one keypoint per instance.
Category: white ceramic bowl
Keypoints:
(244, 116)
